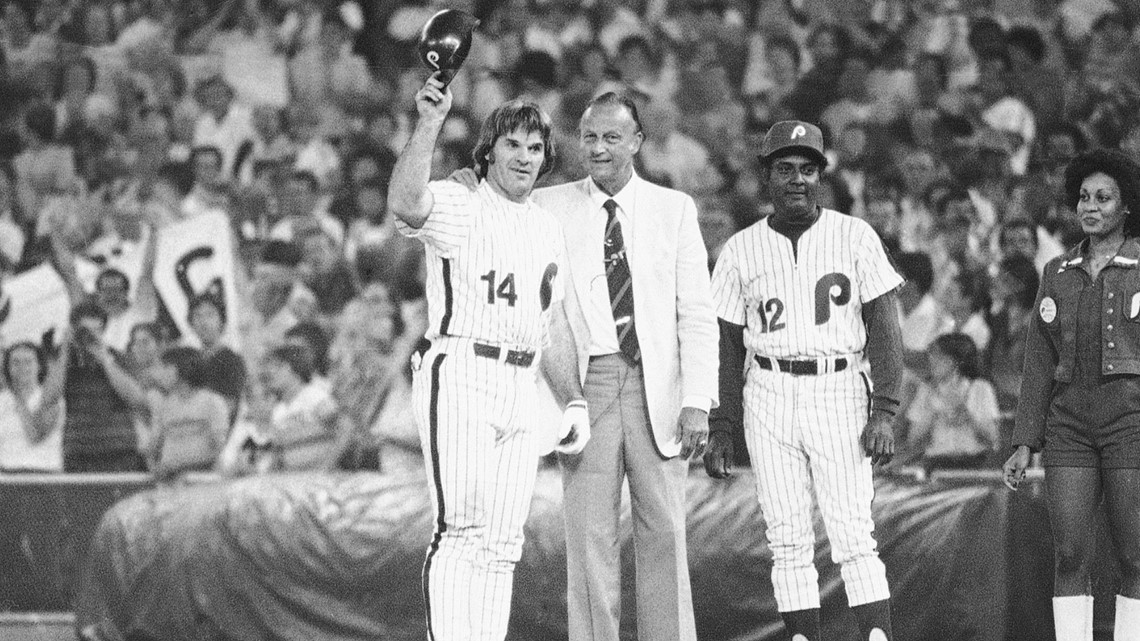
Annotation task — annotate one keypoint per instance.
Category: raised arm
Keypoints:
(408, 195)
(146, 297)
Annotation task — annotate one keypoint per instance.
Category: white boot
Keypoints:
(1127, 619)
(1072, 617)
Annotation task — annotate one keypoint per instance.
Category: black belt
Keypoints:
(513, 356)
(799, 368)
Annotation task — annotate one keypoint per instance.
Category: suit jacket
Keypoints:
(674, 315)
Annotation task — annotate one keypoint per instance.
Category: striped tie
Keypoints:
(621, 284)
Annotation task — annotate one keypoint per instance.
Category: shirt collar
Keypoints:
(1127, 257)
(626, 198)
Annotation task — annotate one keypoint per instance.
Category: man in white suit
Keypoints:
(647, 341)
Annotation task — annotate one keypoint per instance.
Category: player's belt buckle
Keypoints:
(510, 356)
(802, 368)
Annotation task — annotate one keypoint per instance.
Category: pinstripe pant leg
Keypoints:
(481, 483)
(836, 413)
(783, 484)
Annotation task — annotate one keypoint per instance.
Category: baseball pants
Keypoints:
(477, 418)
(803, 434)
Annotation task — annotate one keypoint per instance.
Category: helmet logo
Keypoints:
(798, 131)
(433, 58)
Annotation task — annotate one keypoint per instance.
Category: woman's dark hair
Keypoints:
(1116, 165)
(39, 359)
(299, 359)
(963, 351)
(189, 364)
(1022, 270)
(507, 118)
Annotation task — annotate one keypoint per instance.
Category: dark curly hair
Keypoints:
(509, 117)
(1118, 166)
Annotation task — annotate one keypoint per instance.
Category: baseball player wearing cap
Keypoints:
(496, 267)
(807, 310)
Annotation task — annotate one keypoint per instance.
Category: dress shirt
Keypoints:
(596, 305)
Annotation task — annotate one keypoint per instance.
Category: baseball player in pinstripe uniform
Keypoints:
(496, 273)
(807, 310)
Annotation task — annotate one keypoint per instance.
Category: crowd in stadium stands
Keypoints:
(949, 123)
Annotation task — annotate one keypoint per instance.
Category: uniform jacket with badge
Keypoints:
(673, 309)
(1050, 353)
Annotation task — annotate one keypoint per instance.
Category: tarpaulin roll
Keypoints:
(339, 557)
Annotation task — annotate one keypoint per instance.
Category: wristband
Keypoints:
(884, 404)
(578, 402)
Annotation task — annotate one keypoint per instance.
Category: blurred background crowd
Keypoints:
(949, 124)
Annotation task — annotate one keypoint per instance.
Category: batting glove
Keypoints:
(575, 431)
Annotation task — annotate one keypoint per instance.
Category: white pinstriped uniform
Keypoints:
(477, 416)
(803, 430)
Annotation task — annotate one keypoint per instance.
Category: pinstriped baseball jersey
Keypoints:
(805, 302)
(493, 266)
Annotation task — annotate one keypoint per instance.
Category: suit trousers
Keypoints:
(622, 447)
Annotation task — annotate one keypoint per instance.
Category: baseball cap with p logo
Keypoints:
(793, 135)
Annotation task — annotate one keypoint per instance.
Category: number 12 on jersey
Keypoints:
(770, 312)
(504, 290)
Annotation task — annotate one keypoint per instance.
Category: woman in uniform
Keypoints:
(1080, 393)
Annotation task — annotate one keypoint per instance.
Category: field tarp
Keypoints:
(339, 557)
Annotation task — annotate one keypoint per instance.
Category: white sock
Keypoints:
(1072, 617)
(1127, 619)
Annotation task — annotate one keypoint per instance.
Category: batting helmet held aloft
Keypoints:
(445, 41)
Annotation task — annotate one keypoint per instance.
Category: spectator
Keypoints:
(210, 192)
(671, 157)
(98, 432)
(31, 431)
(931, 78)
(113, 291)
(189, 422)
(303, 421)
(818, 87)
(1003, 111)
(244, 36)
(1111, 57)
(369, 375)
(954, 418)
(223, 123)
(772, 73)
(226, 369)
(315, 152)
(646, 71)
(313, 338)
(922, 317)
(965, 299)
(144, 354)
(1030, 79)
(919, 169)
(1014, 297)
(77, 82)
(44, 168)
(326, 272)
(278, 300)
(302, 209)
(855, 103)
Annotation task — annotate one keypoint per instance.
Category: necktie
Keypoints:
(620, 284)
